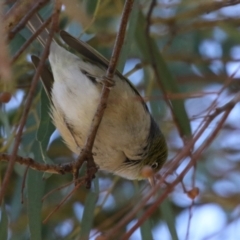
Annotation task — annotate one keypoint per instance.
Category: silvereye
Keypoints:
(128, 138)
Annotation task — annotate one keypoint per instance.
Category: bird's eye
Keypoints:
(154, 165)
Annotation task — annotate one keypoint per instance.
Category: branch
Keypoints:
(42, 167)
(170, 187)
(29, 102)
(108, 83)
(31, 39)
(226, 109)
(154, 65)
(5, 68)
(21, 24)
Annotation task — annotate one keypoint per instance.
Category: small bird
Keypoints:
(128, 138)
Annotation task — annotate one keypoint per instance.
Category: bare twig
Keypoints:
(21, 23)
(30, 40)
(170, 187)
(108, 83)
(15, 13)
(29, 102)
(154, 64)
(5, 69)
(56, 189)
(41, 167)
(64, 200)
(226, 109)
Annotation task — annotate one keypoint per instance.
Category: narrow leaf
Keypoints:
(129, 37)
(168, 216)
(46, 127)
(35, 188)
(165, 77)
(146, 230)
(88, 215)
(4, 223)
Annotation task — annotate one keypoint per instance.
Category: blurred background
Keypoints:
(184, 60)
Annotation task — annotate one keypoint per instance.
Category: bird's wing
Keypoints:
(46, 76)
(93, 56)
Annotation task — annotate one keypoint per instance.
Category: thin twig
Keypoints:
(21, 24)
(170, 187)
(175, 163)
(64, 200)
(154, 64)
(108, 83)
(15, 13)
(56, 189)
(41, 167)
(30, 40)
(28, 104)
(69, 168)
(5, 66)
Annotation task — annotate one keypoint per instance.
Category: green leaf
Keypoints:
(4, 119)
(146, 230)
(16, 43)
(88, 214)
(91, 6)
(4, 223)
(16, 205)
(47, 10)
(46, 127)
(165, 77)
(168, 216)
(29, 136)
(35, 189)
(133, 19)
(35, 193)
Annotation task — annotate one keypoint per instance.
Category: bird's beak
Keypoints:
(151, 181)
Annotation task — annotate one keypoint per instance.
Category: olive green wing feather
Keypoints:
(46, 77)
(93, 56)
(83, 48)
